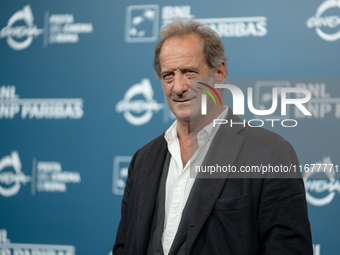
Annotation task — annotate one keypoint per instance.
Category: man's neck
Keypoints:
(187, 128)
(187, 132)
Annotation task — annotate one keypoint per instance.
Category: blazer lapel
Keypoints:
(223, 151)
(149, 182)
(206, 191)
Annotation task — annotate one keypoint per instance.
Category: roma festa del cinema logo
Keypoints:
(138, 105)
(19, 37)
(326, 20)
(58, 29)
(10, 181)
(322, 190)
(47, 176)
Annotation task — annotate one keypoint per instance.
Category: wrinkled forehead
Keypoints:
(184, 46)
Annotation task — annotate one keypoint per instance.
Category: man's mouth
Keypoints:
(182, 100)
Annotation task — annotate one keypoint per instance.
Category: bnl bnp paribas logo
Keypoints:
(9, 248)
(12, 105)
(142, 23)
(47, 176)
(326, 20)
(58, 29)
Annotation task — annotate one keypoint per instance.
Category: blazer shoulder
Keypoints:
(155, 143)
(255, 134)
(151, 150)
(260, 135)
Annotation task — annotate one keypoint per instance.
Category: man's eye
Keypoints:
(191, 73)
(167, 76)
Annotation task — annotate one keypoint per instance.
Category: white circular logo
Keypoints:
(19, 32)
(9, 178)
(318, 21)
(129, 106)
(318, 186)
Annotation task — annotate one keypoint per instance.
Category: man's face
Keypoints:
(181, 60)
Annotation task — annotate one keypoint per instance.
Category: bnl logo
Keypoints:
(141, 23)
(238, 99)
(120, 173)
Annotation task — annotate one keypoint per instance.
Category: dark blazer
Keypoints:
(228, 215)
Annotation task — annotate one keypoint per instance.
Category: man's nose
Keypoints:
(181, 84)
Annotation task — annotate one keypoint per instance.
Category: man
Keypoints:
(164, 211)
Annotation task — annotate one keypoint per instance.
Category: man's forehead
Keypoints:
(189, 46)
(184, 39)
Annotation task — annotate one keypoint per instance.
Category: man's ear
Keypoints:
(221, 73)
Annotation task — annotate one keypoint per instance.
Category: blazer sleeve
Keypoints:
(283, 222)
(118, 247)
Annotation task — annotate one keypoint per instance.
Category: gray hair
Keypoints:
(213, 48)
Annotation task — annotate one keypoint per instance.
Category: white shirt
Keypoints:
(178, 183)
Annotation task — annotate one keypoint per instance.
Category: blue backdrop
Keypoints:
(78, 96)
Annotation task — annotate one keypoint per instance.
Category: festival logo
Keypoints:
(139, 111)
(63, 29)
(50, 177)
(47, 176)
(58, 29)
(21, 37)
(321, 191)
(327, 20)
(11, 176)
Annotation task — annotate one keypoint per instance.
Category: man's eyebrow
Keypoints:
(166, 71)
(195, 68)
(186, 68)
